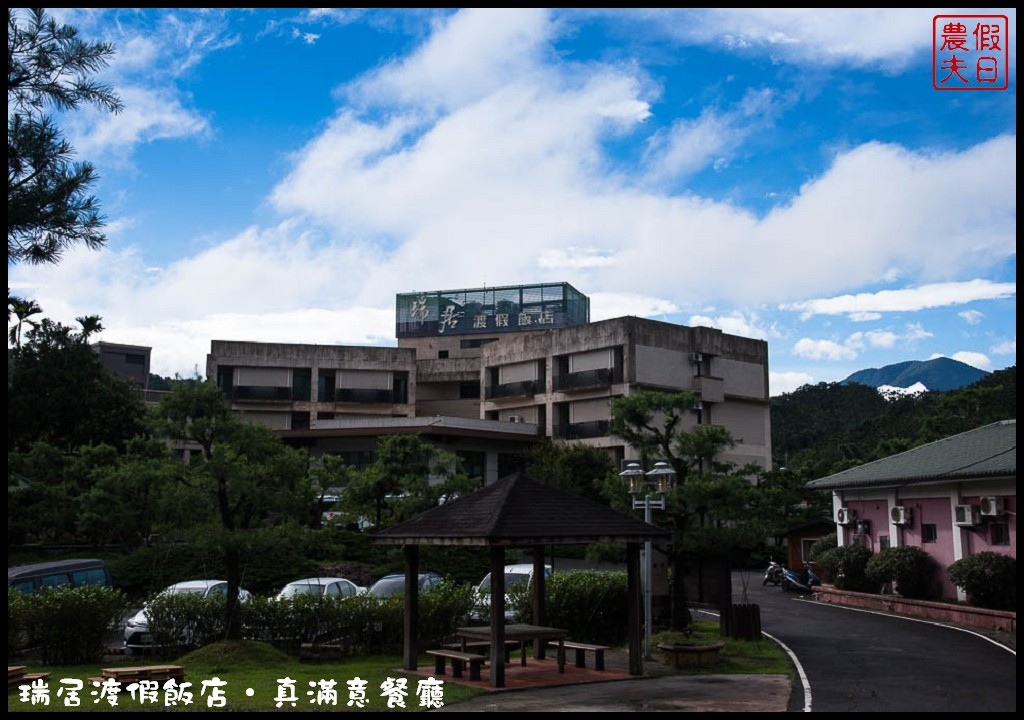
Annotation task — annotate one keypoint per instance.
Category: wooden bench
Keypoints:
(127, 675)
(581, 651)
(459, 659)
(482, 647)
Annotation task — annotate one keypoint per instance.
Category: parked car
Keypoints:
(136, 631)
(59, 573)
(514, 574)
(320, 586)
(395, 583)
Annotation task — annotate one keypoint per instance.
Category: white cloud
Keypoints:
(735, 323)
(710, 140)
(887, 40)
(974, 359)
(909, 299)
(787, 382)
(149, 115)
(470, 55)
(604, 306)
(972, 317)
(882, 338)
(574, 258)
(823, 350)
(1006, 347)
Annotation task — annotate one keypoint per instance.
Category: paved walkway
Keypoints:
(660, 689)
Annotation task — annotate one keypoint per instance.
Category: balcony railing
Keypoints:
(261, 394)
(578, 431)
(516, 389)
(587, 379)
(365, 395)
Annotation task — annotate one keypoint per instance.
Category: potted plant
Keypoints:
(683, 649)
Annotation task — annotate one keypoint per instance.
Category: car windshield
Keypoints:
(510, 580)
(387, 587)
(296, 589)
(189, 591)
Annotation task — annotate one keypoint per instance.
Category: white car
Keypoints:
(320, 586)
(514, 574)
(136, 630)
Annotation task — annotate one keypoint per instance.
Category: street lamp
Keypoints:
(657, 482)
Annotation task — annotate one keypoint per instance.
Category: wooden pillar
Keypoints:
(633, 619)
(497, 616)
(410, 651)
(539, 590)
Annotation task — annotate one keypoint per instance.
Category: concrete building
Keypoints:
(128, 361)
(488, 372)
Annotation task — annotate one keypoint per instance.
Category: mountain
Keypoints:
(939, 374)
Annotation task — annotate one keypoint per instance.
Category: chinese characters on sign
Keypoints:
(970, 52)
(451, 315)
(393, 693)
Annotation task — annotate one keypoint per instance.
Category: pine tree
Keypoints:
(49, 208)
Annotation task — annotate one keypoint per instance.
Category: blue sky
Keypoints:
(791, 175)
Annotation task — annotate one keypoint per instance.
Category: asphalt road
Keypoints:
(848, 661)
(860, 661)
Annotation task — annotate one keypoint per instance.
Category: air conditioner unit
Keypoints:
(993, 506)
(901, 515)
(698, 406)
(515, 418)
(696, 357)
(966, 515)
(844, 516)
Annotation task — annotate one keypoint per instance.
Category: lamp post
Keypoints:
(653, 486)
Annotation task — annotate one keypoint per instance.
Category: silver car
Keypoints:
(136, 630)
(393, 584)
(320, 587)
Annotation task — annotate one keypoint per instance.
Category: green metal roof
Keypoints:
(986, 452)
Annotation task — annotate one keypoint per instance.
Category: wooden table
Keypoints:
(523, 633)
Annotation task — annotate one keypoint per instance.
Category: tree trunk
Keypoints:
(232, 609)
(681, 618)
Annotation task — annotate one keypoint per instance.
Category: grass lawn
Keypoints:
(280, 683)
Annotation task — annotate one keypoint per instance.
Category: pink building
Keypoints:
(953, 498)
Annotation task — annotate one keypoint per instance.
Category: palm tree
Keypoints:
(22, 309)
(90, 324)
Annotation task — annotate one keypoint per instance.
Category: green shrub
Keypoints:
(847, 567)
(910, 568)
(820, 546)
(443, 608)
(988, 578)
(590, 604)
(360, 624)
(69, 626)
(17, 614)
(185, 621)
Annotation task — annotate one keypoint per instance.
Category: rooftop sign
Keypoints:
(512, 308)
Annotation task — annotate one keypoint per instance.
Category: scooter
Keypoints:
(803, 581)
(773, 574)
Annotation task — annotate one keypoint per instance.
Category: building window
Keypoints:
(442, 354)
(1000, 534)
(929, 533)
(134, 359)
(883, 542)
(469, 390)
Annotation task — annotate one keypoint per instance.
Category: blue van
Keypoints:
(59, 573)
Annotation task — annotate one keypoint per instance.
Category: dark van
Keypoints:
(58, 573)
